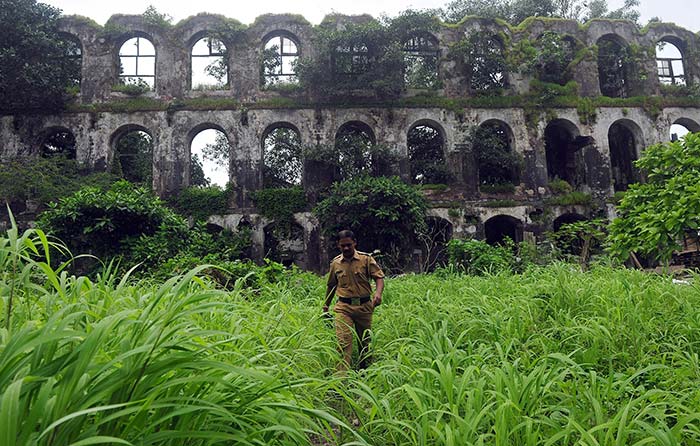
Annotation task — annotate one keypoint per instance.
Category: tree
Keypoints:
(515, 11)
(654, 216)
(36, 63)
(383, 212)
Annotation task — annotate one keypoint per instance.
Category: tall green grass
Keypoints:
(550, 357)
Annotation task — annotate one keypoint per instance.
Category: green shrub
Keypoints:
(46, 179)
(498, 188)
(280, 204)
(558, 186)
(201, 202)
(570, 199)
(478, 257)
(384, 212)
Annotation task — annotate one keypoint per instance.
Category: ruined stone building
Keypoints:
(574, 138)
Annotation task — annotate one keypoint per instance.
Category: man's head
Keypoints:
(347, 243)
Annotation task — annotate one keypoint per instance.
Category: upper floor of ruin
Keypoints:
(212, 56)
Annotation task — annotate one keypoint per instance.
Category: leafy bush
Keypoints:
(478, 257)
(201, 202)
(46, 179)
(384, 212)
(559, 186)
(96, 221)
(654, 216)
(130, 222)
(570, 199)
(280, 204)
(498, 188)
(133, 88)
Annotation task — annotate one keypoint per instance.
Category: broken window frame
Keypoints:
(664, 66)
(420, 48)
(281, 76)
(356, 59)
(211, 54)
(616, 81)
(136, 78)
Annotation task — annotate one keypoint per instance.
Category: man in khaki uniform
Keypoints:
(349, 278)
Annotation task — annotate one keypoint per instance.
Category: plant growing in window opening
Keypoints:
(486, 63)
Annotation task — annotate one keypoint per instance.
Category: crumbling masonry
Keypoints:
(590, 143)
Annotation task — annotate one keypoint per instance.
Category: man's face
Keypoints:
(347, 247)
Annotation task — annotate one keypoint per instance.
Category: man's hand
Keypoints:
(326, 314)
(377, 301)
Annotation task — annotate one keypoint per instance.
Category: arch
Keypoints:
(564, 152)
(426, 152)
(57, 141)
(208, 63)
(497, 228)
(354, 141)
(497, 162)
(613, 66)
(209, 155)
(625, 139)
(282, 155)
(137, 61)
(487, 62)
(681, 127)
(567, 218)
(132, 148)
(73, 58)
(421, 58)
(556, 52)
(284, 245)
(281, 51)
(670, 63)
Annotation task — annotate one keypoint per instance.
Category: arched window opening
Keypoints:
(669, 64)
(500, 227)
(499, 165)
(282, 157)
(209, 158)
(421, 57)
(564, 150)
(623, 153)
(59, 142)
(133, 157)
(613, 67)
(351, 60)
(487, 62)
(137, 58)
(354, 144)
(279, 61)
(434, 243)
(682, 127)
(426, 155)
(72, 61)
(209, 65)
(285, 246)
(554, 54)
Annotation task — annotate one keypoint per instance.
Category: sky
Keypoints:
(681, 12)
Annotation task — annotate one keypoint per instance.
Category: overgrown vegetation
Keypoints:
(280, 205)
(653, 216)
(385, 214)
(551, 355)
(39, 64)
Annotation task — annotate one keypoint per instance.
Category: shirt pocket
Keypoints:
(342, 278)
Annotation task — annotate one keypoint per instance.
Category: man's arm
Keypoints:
(330, 292)
(378, 291)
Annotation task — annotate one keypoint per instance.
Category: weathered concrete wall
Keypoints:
(173, 114)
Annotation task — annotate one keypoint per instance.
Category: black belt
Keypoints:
(354, 300)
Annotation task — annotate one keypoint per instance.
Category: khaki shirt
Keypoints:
(349, 277)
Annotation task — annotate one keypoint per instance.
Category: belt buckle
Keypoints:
(355, 301)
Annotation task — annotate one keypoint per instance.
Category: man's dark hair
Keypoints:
(346, 233)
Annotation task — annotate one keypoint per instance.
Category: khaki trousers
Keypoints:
(359, 317)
